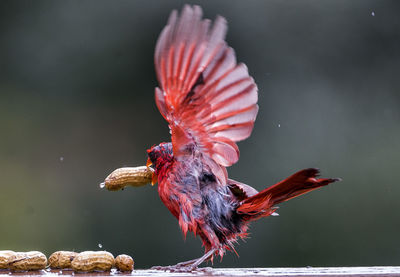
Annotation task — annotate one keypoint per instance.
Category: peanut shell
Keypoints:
(128, 176)
(61, 259)
(4, 257)
(124, 263)
(89, 261)
(24, 261)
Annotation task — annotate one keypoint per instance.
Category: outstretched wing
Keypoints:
(209, 101)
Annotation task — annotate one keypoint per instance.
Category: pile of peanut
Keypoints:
(87, 261)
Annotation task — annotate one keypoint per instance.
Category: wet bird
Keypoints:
(210, 103)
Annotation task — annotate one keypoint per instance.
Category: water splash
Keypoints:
(100, 245)
(373, 13)
(102, 185)
(279, 125)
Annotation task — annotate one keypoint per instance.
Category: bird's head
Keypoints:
(160, 156)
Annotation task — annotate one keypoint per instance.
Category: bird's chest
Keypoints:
(180, 192)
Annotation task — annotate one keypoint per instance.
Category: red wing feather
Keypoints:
(209, 101)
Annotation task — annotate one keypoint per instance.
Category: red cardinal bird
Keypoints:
(210, 103)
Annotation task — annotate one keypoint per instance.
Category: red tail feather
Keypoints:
(299, 183)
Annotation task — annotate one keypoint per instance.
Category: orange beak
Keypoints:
(154, 177)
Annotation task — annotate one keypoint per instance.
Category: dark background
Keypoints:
(76, 102)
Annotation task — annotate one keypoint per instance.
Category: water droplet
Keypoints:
(373, 13)
(279, 125)
(102, 185)
(100, 245)
(61, 159)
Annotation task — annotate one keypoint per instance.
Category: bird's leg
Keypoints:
(203, 258)
(187, 266)
(186, 263)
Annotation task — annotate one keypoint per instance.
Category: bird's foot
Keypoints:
(188, 266)
(174, 268)
(181, 267)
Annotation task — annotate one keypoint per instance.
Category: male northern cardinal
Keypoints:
(210, 103)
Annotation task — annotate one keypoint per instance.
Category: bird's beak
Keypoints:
(154, 177)
(149, 163)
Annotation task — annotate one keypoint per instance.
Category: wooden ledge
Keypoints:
(381, 271)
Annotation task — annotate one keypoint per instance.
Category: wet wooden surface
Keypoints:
(388, 271)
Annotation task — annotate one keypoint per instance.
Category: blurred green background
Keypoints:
(76, 102)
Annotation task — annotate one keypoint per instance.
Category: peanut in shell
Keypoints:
(26, 261)
(89, 261)
(124, 263)
(61, 259)
(128, 176)
(4, 258)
